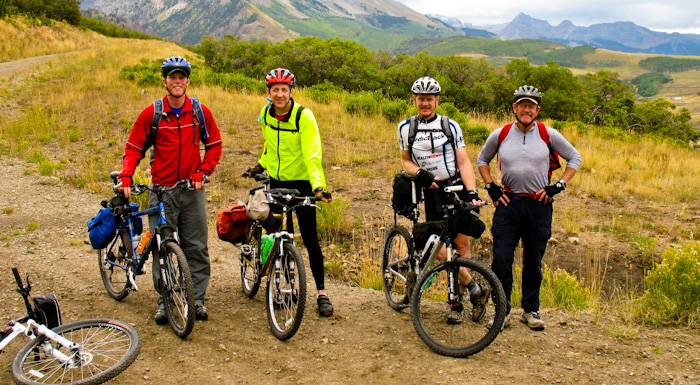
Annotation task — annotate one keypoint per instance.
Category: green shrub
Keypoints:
(673, 288)
(394, 110)
(332, 217)
(324, 92)
(364, 102)
(563, 291)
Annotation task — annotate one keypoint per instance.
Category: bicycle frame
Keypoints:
(140, 259)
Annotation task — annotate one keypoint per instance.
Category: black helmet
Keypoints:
(527, 92)
(175, 63)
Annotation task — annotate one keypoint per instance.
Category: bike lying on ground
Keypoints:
(282, 263)
(90, 351)
(122, 259)
(412, 275)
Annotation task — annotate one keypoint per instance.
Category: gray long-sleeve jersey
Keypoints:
(524, 157)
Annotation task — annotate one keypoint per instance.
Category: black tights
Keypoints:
(306, 217)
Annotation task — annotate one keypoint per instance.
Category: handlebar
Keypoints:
(18, 279)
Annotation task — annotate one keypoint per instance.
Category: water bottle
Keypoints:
(135, 241)
(267, 241)
(144, 241)
(430, 245)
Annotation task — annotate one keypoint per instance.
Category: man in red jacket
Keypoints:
(176, 157)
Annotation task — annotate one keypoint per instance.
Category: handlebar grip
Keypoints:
(17, 277)
(454, 188)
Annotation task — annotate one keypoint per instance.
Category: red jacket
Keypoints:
(176, 146)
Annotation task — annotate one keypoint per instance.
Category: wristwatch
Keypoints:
(561, 184)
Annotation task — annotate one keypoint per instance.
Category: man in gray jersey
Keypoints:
(524, 202)
(436, 160)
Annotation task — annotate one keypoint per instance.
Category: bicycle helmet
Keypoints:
(426, 85)
(527, 92)
(175, 63)
(280, 75)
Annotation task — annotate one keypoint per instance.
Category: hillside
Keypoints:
(66, 119)
(379, 24)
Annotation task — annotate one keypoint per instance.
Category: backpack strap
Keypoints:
(444, 126)
(553, 156)
(296, 121)
(199, 115)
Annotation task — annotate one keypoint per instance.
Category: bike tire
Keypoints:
(177, 290)
(250, 275)
(107, 348)
(430, 308)
(286, 293)
(398, 277)
(116, 279)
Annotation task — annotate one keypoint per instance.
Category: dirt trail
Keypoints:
(364, 342)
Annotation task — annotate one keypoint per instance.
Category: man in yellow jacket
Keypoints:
(292, 156)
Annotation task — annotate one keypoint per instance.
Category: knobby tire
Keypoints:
(286, 299)
(250, 276)
(430, 309)
(178, 296)
(107, 348)
(114, 278)
(397, 273)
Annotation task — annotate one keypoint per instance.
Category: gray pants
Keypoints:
(186, 211)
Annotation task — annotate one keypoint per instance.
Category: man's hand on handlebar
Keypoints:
(124, 186)
(253, 171)
(323, 195)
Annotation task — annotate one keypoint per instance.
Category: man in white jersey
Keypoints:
(524, 203)
(435, 161)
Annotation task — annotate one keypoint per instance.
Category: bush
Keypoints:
(673, 288)
(324, 92)
(394, 110)
(364, 102)
(562, 290)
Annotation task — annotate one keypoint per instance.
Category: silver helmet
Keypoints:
(426, 85)
(527, 92)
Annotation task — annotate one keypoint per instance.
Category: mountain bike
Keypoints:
(412, 275)
(90, 351)
(121, 261)
(286, 275)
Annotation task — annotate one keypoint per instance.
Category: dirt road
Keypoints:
(364, 342)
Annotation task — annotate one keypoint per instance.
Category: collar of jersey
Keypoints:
(271, 111)
(421, 120)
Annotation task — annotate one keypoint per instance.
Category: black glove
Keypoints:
(253, 171)
(495, 191)
(473, 195)
(425, 178)
(555, 189)
(325, 194)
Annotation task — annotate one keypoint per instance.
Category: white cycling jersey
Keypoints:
(432, 150)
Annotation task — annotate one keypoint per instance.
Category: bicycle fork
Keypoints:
(453, 294)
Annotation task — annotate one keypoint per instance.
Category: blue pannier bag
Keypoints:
(102, 229)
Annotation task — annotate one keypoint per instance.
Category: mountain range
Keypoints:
(378, 24)
(619, 36)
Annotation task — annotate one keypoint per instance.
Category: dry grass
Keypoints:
(22, 40)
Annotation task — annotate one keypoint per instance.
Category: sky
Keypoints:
(659, 15)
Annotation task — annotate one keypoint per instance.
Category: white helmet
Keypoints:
(426, 85)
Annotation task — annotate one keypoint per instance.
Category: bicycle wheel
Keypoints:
(106, 348)
(286, 293)
(250, 264)
(398, 277)
(114, 278)
(430, 309)
(177, 290)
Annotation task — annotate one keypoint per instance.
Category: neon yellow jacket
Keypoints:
(290, 153)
